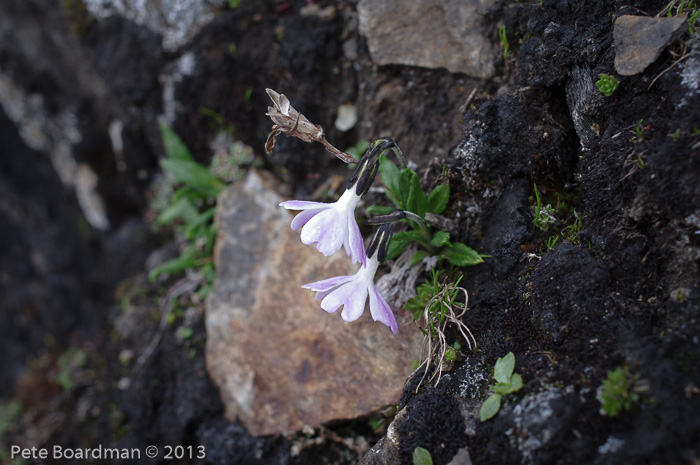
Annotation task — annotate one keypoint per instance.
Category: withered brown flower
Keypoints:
(293, 124)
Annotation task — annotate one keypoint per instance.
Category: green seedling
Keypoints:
(507, 382)
(620, 391)
(503, 39)
(403, 188)
(544, 214)
(71, 360)
(606, 84)
(639, 131)
(421, 456)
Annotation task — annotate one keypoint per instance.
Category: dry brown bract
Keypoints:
(293, 124)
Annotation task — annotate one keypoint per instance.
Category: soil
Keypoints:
(620, 288)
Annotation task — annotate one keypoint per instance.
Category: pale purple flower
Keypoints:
(351, 292)
(330, 225)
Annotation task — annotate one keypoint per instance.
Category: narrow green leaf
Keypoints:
(417, 257)
(461, 255)
(174, 147)
(490, 407)
(172, 266)
(379, 209)
(417, 202)
(182, 208)
(400, 242)
(504, 368)
(404, 187)
(198, 222)
(440, 238)
(187, 192)
(421, 456)
(437, 200)
(194, 174)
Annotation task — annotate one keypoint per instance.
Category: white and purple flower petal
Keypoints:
(380, 310)
(330, 225)
(350, 292)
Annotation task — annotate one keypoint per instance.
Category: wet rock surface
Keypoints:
(572, 299)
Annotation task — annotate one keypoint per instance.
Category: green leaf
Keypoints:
(194, 174)
(389, 174)
(516, 383)
(172, 266)
(404, 187)
(501, 388)
(437, 200)
(416, 202)
(182, 208)
(504, 368)
(440, 238)
(379, 210)
(185, 332)
(400, 242)
(461, 255)
(174, 147)
(417, 257)
(490, 407)
(421, 456)
(196, 223)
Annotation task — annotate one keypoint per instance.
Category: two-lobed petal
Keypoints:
(330, 225)
(350, 292)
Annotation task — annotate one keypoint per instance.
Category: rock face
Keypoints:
(278, 359)
(639, 41)
(432, 34)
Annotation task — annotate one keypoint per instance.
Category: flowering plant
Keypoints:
(331, 226)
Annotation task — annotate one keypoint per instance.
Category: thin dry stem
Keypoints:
(436, 354)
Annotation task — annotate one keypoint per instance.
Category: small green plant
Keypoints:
(689, 9)
(503, 38)
(606, 84)
(639, 131)
(403, 188)
(233, 4)
(544, 214)
(619, 391)
(191, 205)
(507, 383)
(421, 456)
(676, 134)
(434, 308)
(571, 231)
(552, 241)
(71, 360)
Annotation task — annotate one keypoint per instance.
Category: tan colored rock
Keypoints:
(279, 360)
(429, 33)
(640, 40)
